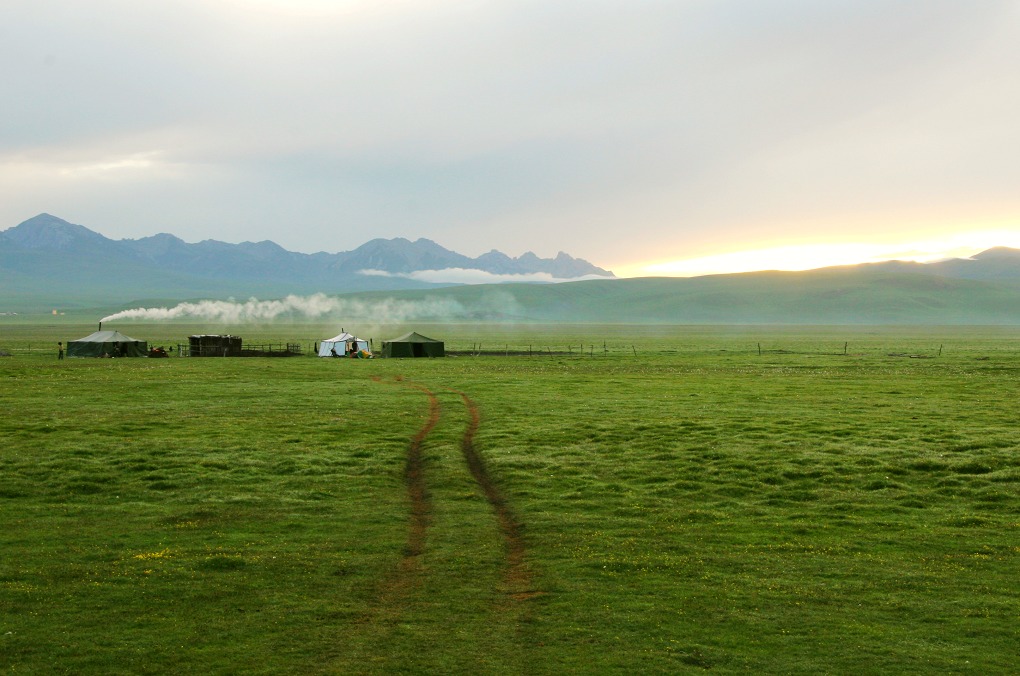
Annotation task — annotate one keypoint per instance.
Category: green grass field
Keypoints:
(664, 499)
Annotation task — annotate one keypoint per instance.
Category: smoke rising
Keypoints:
(320, 305)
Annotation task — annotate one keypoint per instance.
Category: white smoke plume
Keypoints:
(316, 305)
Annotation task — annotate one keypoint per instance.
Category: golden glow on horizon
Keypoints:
(811, 256)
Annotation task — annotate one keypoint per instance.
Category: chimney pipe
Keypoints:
(100, 326)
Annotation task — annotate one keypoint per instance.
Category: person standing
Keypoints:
(60, 350)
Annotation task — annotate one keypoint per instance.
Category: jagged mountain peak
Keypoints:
(46, 231)
(165, 237)
(400, 255)
(266, 246)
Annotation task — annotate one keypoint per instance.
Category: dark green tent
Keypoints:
(108, 343)
(413, 345)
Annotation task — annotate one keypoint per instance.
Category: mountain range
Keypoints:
(47, 257)
(46, 262)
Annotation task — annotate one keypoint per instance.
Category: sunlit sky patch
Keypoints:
(811, 256)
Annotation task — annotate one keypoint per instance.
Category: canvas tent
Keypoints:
(413, 345)
(340, 345)
(107, 343)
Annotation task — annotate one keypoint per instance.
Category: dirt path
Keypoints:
(401, 600)
(409, 571)
(518, 577)
(414, 475)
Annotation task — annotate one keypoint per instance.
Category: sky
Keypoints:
(675, 137)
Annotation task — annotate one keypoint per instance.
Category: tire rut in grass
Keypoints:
(421, 504)
(518, 578)
(409, 570)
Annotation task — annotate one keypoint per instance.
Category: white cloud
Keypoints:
(474, 276)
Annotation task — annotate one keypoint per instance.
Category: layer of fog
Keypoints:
(473, 276)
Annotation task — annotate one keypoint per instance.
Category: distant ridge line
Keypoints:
(47, 262)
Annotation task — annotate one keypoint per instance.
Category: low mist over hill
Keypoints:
(887, 293)
(46, 262)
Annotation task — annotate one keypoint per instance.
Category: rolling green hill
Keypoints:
(846, 295)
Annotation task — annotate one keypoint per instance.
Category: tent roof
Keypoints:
(413, 337)
(342, 338)
(107, 337)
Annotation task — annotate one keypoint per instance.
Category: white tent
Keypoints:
(339, 346)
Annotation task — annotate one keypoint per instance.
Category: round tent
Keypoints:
(413, 345)
(339, 346)
(107, 344)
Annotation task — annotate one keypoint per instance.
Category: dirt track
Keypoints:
(517, 577)
(402, 598)
(421, 507)
(395, 588)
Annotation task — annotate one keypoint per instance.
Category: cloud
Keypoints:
(473, 276)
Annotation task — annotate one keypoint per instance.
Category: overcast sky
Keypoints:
(623, 132)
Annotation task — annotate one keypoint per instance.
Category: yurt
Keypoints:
(107, 344)
(340, 346)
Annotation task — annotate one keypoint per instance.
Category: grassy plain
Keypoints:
(670, 499)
